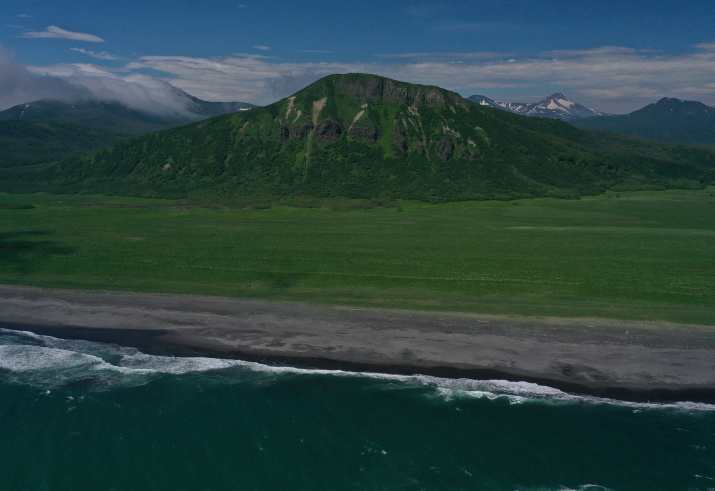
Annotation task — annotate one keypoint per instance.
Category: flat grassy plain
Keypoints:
(635, 255)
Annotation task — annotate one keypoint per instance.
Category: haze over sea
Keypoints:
(87, 415)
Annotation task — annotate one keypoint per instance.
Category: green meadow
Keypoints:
(633, 255)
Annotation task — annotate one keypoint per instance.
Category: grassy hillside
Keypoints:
(635, 255)
(50, 131)
(104, 115)
(362, 136)
(30, 142)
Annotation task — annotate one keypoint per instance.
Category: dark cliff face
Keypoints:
(369, 133)
(381, 89)
(445, 148)
(327, 131)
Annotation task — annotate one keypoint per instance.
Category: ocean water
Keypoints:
(86, 415)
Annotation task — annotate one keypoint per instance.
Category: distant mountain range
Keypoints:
(46, 130)
(117, 117)
(369, 137)
(556, 106)
(668, 120)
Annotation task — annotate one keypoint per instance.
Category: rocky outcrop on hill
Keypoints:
(327, 131)
(386, 90)
(367, 133)
(445, 148)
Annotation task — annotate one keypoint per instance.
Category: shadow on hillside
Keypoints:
(19, 249)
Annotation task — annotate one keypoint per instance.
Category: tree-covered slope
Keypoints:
(116, 117)
(24, 142)
(110, 116)
(668, 120)
(49, 131)
(363, 136)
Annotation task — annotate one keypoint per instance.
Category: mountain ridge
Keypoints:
(557, 106)
(117, 117)
(666, 120)
(50, 130)
(364, 136)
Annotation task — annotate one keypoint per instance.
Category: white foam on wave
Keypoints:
(584, 487)
(61, 360)
(78, 345)
(525, 392)
(51, 367)
(450, 394)
(46, 361)
(34, 358)
(175, 366)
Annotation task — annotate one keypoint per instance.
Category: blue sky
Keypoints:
(615, 56)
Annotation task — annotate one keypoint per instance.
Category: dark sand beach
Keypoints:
(609, 358)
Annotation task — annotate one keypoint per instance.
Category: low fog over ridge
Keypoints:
(143, 93)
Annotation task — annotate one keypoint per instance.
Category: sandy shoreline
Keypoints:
(621, 359)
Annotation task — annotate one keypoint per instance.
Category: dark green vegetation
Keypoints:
(668, 120)
(31, 142)
(635, 255)
(108, 116)
(208, 109)
(50, 131)
(116, 117)
(362, 136)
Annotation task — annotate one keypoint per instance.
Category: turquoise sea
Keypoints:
(87, 415)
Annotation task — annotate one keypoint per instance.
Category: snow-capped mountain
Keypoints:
(483, 100)
(556, 106)
(561, 107)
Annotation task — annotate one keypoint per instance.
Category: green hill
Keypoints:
(25, 142)
(668, 120)
(116, 117)
(363, 136)
(105, 115)
(49, 131)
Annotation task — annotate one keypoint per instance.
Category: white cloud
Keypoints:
(57, 32)
(603, 50)
(86, 82)
(101, 55)
(478, 55)
(612, 79)
(262, 48)
(468, 56)
(706, 46)
(243, 78)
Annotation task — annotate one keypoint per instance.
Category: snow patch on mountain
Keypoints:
(556, 106)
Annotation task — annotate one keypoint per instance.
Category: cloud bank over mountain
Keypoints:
(79, 83)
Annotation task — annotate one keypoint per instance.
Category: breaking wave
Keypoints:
(47, 362)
